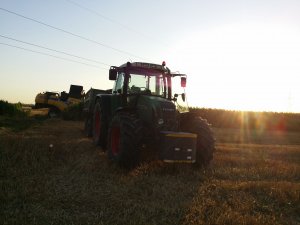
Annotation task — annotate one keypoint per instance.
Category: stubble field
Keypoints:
(253, 179)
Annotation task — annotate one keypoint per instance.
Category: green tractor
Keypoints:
(147, 109)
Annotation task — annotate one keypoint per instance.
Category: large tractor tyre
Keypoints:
(88, 128)
(205, 138)
(99, 128)
(124, 140)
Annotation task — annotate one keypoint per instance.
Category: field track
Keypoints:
(253, 179)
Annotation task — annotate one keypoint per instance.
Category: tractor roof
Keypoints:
(145, 65)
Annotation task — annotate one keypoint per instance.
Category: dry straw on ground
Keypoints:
(73, 182)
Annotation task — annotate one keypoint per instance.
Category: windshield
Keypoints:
(147, 84)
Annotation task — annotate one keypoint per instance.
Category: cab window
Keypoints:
(118, 88)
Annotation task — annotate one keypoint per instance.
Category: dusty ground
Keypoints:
(253, 182)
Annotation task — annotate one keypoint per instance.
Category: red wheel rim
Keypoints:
(97, 124)
(115, 140)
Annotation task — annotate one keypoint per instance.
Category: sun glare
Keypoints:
(243, 67)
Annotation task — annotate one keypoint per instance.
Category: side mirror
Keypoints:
(183, 82)
(112, 74)
(175, 97)
(183, 97)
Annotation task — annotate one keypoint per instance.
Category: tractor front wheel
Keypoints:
(124, 140)
(205, 137)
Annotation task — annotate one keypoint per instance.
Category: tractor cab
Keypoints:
(135, 79)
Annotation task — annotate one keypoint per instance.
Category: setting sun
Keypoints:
(243, 67)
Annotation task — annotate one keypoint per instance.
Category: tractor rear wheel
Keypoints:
(205, 138)
(124, 140)
(99, 128)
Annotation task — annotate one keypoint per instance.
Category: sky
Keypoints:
(238, 55)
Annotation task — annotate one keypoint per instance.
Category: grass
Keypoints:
(17, 124)
(18, 117)
(11, 110)
(257, 136)
(248, 182)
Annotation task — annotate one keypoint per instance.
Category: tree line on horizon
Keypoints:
(221, 118)
(11, 109)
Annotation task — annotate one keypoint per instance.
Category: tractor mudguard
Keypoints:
(105, 102)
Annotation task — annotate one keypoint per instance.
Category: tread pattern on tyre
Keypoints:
(205, 138)
(130, 140)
